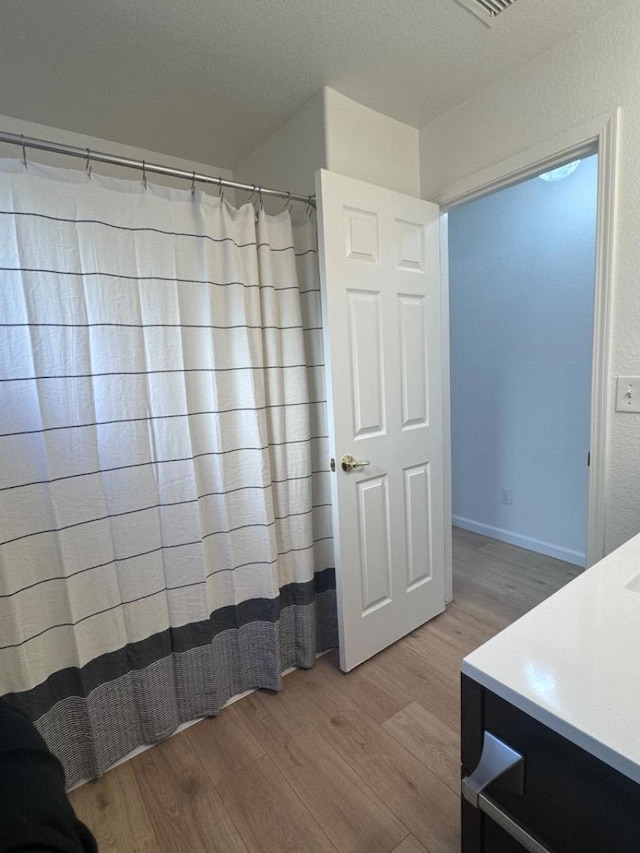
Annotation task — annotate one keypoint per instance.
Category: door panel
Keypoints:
(413, 338)
(366, 362)
(418, 507)
(375, 536)
(379, 258)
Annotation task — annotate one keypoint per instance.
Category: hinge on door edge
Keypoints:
(588, 459)
(332, 465)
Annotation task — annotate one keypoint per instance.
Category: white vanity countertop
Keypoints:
(573, 662)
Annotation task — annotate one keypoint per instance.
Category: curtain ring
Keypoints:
(24, 151)
(87, 166)
(287, 204)
(260, 204)
(144, 174)
(220, 190)
(309, 207)
(193, 183)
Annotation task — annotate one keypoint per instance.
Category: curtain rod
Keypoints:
(153, 168)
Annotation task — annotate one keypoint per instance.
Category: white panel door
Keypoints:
(380, 268)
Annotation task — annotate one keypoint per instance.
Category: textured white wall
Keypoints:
(587, 76)
(67, 137)
(289, 158)
(333, 132)
(370, 146)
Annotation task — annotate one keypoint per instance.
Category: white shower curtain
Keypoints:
(164, 487)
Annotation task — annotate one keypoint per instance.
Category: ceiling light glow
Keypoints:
(561, 172)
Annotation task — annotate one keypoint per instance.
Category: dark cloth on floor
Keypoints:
(35, 813)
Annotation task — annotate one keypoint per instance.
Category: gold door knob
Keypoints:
(349, 463)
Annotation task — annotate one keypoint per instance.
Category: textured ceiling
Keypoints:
(209, 80)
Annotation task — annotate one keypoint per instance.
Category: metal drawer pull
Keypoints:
(495, 760)
(511, 826)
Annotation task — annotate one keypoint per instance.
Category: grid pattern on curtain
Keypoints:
(165, 519)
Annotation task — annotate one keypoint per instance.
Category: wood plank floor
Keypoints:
(359, 763)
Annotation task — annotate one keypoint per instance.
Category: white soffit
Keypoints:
(486, 10)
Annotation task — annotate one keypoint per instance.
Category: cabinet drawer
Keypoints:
(572, 801)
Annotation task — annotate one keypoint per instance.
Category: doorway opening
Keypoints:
(522, 269)
(598, 136)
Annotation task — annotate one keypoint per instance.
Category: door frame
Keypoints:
(600, 136)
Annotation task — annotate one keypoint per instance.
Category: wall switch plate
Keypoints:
(628, 394)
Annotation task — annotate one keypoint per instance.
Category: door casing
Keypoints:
(597, 136)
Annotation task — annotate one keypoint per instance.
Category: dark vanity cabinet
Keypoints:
(555, 796)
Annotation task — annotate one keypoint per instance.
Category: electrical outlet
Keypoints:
(628, 394)
(506, 496)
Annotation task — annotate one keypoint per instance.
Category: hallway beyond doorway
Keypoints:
(522, 280)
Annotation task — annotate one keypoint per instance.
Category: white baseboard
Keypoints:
(577, 558)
